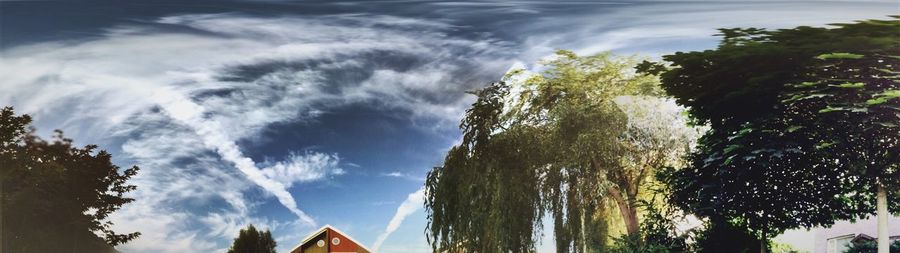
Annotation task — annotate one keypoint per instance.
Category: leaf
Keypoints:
(829, 109)
(729, 160)
(801, 97)
(887, 124)
(805, 84)
(794, 128)
(822, 145)
(839, 56)
(888, 71)
(731, 148)
(884, 97)
(876, 101)
(890, 94)
(850, 109)
(849, 85)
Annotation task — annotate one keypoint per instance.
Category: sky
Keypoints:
(295, 114)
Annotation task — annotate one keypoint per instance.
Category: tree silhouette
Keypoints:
(56, 197)
(250, 240)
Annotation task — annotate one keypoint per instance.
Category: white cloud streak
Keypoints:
(191, 115)
(179, 103)
(412, 204)
(407, 176)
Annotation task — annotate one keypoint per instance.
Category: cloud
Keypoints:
(407, 176)
(215, 138)
(412, 204)
(662, 27)
(177, 95)
(177, 102)
(304, 167)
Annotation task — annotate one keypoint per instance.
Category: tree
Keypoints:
(561, 143)
(803, 125)
(56, 197)
(250, 240)
(860, 89)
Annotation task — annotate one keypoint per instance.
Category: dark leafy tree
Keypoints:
(804, 125)
(718, 235)
(250, 240)
(57, 197)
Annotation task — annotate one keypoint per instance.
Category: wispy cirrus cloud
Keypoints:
(178, 94)
(402, 175)
(178, 101)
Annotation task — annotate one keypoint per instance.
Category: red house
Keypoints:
(329, 240)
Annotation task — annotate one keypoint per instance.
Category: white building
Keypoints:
(839, 236)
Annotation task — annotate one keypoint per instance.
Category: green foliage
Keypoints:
(250, 240)
(721, 236)
(659, 230)
(557, 146)
(839, 56)
(57, 197)
(871, 247)
(800, 134)
(743, 78)
(636, 244)
(784, 248)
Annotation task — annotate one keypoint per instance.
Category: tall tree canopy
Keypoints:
(250, 240)
(56, 197)
(804, 124)
(559, 143)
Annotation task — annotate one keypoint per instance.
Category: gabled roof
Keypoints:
(862, 238)
(322, 230)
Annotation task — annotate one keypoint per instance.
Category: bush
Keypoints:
(871, 247)
(719, 236)
(658, 231)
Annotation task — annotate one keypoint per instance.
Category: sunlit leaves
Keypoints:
(553, 144)
(839, 56)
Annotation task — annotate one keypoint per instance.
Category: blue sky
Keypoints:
(295, 114)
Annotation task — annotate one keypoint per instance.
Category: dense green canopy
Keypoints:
(57, 197)
(804, 123)
(251, 240)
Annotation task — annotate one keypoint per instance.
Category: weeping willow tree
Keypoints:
(563, 144)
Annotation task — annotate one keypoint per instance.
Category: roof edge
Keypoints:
(323, 229)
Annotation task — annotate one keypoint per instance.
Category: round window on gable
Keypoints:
(320, 243)
(335, 241)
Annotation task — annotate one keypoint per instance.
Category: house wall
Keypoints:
(311, 247)
(868, 226)
(346, 245)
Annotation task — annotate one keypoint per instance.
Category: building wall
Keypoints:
(311, 247)
(345, 245)
(867, 226)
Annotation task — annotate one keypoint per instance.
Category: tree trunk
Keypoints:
(2, 200)
(2, 177)
(629, 213)
(583, 232)
(882, 220)
(762, 244)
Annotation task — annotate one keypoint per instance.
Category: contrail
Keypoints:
(190, 114)
(412, 204)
